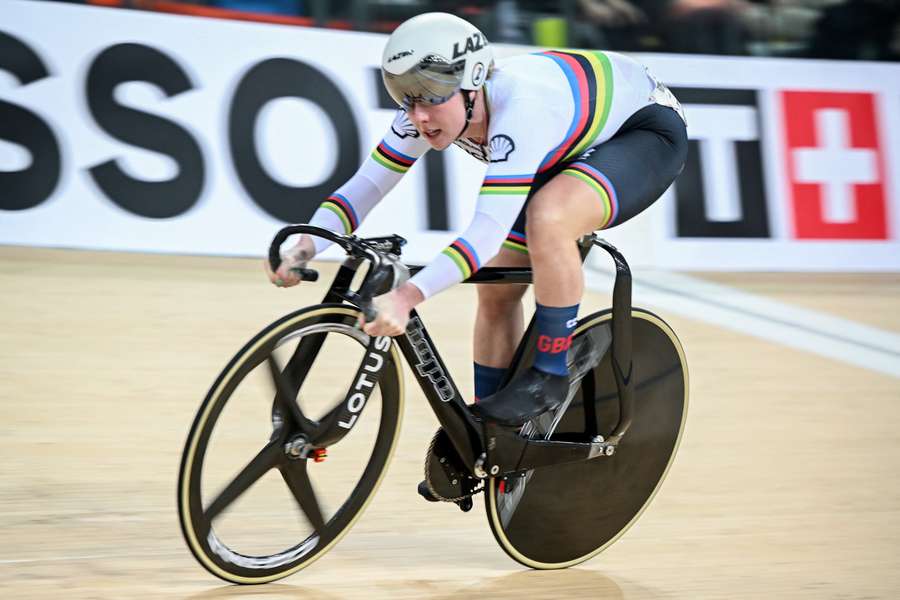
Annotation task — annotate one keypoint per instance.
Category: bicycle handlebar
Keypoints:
(306, 274)
(370, 250)
(285, 233)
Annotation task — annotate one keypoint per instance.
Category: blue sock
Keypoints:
(555, 325)
(487, 380)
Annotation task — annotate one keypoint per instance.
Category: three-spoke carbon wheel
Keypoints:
(559, 516)
(257, 501)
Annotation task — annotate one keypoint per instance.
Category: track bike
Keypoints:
(558, 490)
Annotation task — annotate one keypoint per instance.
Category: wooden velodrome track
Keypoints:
(787, 483)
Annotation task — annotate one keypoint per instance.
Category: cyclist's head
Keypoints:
(432, 56)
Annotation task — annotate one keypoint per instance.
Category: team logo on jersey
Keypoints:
(403, 128)
(501, 147)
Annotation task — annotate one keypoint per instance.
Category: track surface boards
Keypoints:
(784, 486)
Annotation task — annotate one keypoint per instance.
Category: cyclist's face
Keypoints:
(439, 124)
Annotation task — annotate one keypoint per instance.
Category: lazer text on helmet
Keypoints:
(400, 55)
(474, 42)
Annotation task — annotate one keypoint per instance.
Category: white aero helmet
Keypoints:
(430, 57)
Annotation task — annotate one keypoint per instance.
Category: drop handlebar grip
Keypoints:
(307, 274)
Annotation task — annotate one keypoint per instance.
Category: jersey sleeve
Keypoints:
(520, 143)
(344, 210)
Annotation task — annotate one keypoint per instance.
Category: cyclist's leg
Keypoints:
(604, 187)
(499, 323)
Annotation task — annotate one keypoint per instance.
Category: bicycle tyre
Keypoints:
(199, 532)
(569, 513)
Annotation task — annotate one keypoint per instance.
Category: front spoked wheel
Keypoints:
(257, 500)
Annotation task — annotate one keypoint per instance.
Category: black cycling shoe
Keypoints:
(425, 492)
(527, 396)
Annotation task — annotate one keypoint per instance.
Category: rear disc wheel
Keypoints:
(559, 516)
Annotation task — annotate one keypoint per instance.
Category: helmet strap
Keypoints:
(469, 101)
(470, 104)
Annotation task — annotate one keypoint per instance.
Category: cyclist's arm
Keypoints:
(345, 209)
(528, 135)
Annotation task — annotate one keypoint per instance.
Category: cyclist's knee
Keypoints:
(497, 301)
(545, 229)
(543, 216)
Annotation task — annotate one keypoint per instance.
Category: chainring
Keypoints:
(446, 476)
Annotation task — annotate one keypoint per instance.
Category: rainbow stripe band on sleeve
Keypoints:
(601, 184)
(506, 185)
(337, 204)
(516, 241)
(464, 256)
(591, 81)
(392, 159)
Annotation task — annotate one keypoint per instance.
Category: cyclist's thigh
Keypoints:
(631, 170)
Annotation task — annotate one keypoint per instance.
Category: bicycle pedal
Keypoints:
(426, 494)
(465, 504)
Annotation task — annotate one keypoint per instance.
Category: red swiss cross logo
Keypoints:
(835, 166)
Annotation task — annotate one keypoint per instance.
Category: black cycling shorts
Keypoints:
(629, 171)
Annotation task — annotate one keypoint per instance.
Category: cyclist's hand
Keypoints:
(292, 259)
(393, 311)
(392, 316)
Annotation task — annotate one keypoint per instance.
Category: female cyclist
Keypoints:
(573, 141)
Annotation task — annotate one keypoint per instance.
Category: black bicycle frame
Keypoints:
(483, 447)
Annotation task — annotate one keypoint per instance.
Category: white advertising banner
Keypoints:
(792, 166)
(138, 131)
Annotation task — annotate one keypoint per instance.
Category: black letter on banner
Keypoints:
(154, 199)
(691, 195)
(286, 78)
(29, 187)
(435, 170)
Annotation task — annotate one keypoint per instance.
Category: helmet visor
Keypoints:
(432, 81)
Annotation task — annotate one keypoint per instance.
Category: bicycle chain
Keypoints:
(478, 489)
